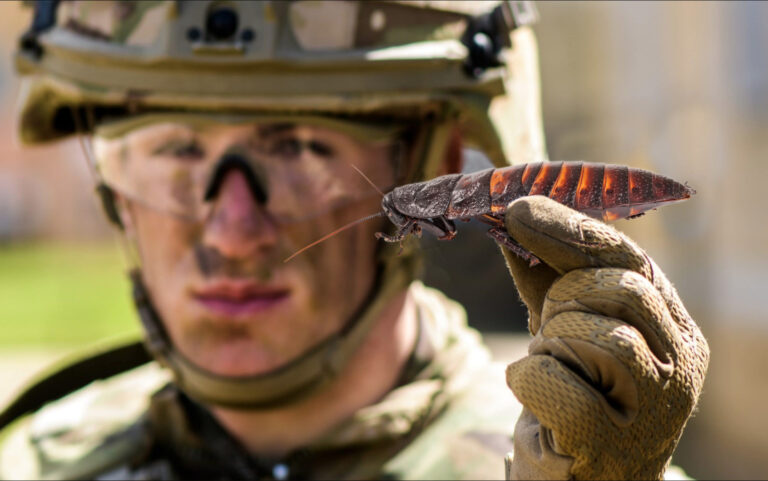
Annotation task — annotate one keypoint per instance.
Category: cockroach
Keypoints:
(604, 191)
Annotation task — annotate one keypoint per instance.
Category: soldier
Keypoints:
(225, 136)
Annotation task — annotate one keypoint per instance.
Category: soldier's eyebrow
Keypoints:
(272, 129)
(179, 146)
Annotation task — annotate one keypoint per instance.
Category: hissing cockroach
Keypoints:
(603, 191)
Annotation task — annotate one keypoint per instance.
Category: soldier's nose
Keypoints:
(239, 226)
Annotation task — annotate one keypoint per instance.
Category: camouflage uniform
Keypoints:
(450, 417)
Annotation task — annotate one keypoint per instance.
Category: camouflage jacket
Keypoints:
(450, 417)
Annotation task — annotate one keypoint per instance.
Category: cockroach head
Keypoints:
(389, 209)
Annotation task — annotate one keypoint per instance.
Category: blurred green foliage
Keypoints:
(63, 294)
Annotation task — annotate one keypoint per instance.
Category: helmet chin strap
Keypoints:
(302, 377)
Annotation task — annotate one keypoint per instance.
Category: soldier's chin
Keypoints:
(235, 358)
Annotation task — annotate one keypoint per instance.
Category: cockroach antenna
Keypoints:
(367, 179)
(340, 229)
(353, 223)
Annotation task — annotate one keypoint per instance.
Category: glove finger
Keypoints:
(567, 240)
(560, 399)
(619, 294)
(533, 454)
(608, 354)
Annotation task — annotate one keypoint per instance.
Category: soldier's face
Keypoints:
(229, 302)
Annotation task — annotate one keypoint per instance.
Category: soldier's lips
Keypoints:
(235, 299)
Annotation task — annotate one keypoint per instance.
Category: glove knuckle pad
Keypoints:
(607, 354)
(618, 294)
(618, 338)
(559, 398)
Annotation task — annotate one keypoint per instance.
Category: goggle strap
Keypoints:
(107, 198)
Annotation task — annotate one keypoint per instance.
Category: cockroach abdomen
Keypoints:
(589, 190)
(545, 179)
(648, 191)
(565, 187)
(506, 186)
(615, 192)
(530, 173)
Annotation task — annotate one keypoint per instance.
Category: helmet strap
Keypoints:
(302, 377)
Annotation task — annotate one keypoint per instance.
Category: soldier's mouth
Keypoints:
(232, 298)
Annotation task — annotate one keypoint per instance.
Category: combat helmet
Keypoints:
(453, 66)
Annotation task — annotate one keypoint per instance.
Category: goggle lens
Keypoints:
(297, 171)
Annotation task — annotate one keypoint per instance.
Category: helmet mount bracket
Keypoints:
(488, 33)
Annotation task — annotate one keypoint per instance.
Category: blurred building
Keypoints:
(678, 88)
(682, 88)
(45, 192)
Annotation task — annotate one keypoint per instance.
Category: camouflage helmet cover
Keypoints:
(386, 58)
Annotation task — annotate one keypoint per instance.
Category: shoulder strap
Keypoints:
(100, 365)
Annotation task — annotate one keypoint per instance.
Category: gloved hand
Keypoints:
(616, 364)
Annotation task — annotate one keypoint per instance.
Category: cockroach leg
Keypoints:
(501, 236)
(388, 238)
(399, 238)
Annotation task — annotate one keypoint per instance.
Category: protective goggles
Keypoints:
(296, 167)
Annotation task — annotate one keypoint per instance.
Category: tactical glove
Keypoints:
(616, 364)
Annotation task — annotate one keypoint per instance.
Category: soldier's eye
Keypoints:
(320, 148)
(288, 148)
(189, 151)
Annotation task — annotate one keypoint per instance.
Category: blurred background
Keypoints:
(677, 88)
